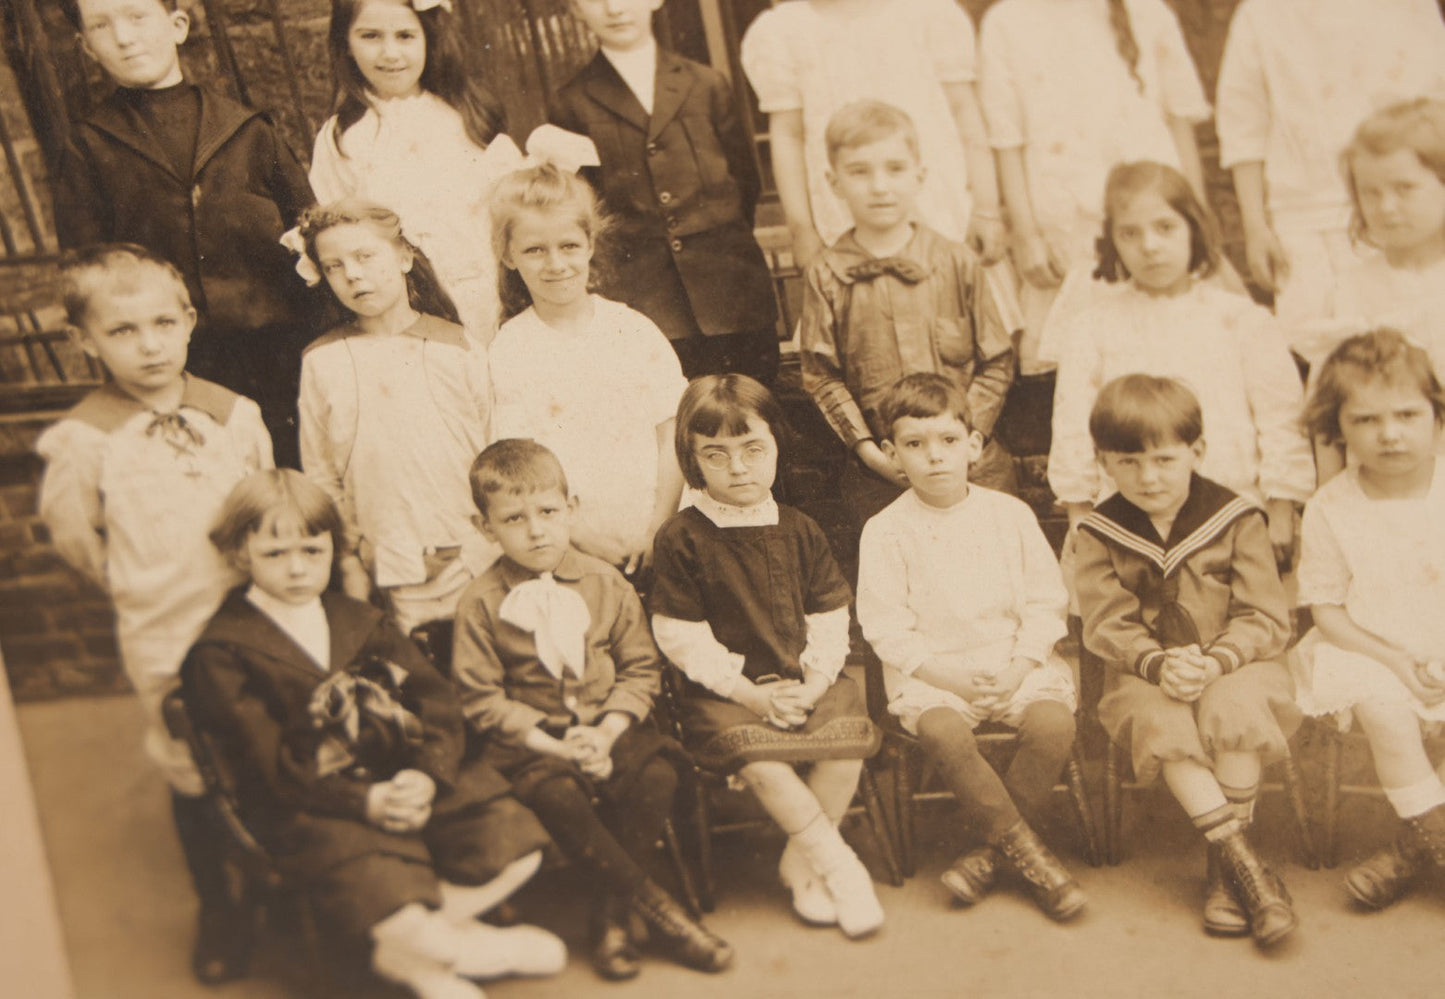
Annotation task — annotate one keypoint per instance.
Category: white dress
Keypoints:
(413, 155)
(1371, 294)
(1383, 560)
(596, 400)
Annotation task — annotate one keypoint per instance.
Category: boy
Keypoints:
(679, 179)
(201, 181)
(892, 297)
(555, 662)
(1180, 597)
(960, 596)
(134, 475)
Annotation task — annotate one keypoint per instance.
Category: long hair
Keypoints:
(1124, 39)
(424, 289)
(548, 189)
(446, 73)
(1417, 125)
(1128, 180)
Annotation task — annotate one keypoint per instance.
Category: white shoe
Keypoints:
(851, 888)
(414, 948)
(492, 952)
(811, 900)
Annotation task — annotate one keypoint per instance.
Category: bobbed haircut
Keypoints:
(1417, 125)
(721, 405)
(1380, 355)
(514, 466)
(71, 9)
(1134, 413)
(1128, 180)
(544, 189)
(91, 270)
(423, 288)
(922, 395)
(279, 501)
(863, 123)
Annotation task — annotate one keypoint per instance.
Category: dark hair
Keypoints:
(423, 288)
(542, 188)
(1136, 412)
(446, 73)
(864, 122)
(72, 10)
(721, 404)
(1124, 39)
(1129, 179)
(922, 395)
(1417, 125)
(514, 465)
(83, 270)
(281, 499)
(1385, 355)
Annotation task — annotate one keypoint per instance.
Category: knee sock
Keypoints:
(566, 811)
(1241, 799)
(823, 845)
(636, 822)
(1418, 798)
(974, 782)
(1046, 737)
(1217, 823)
(464, 902)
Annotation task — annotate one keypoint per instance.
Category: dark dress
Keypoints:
(755, 586)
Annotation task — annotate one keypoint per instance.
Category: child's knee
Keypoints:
(1047, 723)
(768, 775)
(944, 730)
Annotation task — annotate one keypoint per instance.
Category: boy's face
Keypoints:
(621, 25)
(139, 329)
(934, 453)
(135, 41)
(292, 567)
(879, 182)
(533, 529)
(1156, 480)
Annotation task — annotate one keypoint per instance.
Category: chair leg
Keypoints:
(1294, 787)
(679, 865)
(903, 808)
(1334, 747)
(873, 807)
(1113, 804)
(1074, 775)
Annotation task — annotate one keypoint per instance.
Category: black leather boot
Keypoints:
(222, 949)
(973, 875)
(1427, 837)
(684, 939)
(1048, 881)
(1223, 915)
(1387, 876)
(1263, 894)
(613, 956)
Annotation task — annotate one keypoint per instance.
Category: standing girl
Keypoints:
(348, 744)
(1068, 91)
(594, 381)
(1372, 572)
(394, 407)
(414, 131)
(1156, 315)
(748, 603)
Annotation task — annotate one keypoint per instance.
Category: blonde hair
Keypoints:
(540, 189)
(86, 272)
(862, 123)
(1417, 125)
(514, 466)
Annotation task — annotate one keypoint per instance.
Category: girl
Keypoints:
(1372, 573)
(806, 60)
(414, 131)
(591, 379)
(1069, 90)
(348, 745)
(1296, 77)
(1156, 315)
(748, 602)
(394, 406)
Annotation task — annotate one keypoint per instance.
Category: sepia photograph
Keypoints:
(764, 499)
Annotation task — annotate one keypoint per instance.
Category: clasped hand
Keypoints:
(785, 704)
(1425, 679)
(402, 804)
(1186, 672)
(589, 748)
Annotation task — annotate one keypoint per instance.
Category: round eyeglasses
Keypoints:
(720, 460)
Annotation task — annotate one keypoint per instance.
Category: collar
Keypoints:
(764, 514)
(221, 118)
(569, 570)
(242, 624)
(109, 407)
(848, 253)
(298, 622)
(426, 327)
(1208, 511)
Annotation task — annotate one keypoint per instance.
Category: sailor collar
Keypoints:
(1208, 511)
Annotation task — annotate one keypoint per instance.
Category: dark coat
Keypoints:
(681, 186)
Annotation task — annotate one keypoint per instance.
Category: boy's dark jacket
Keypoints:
(219, 226)
(681, 185)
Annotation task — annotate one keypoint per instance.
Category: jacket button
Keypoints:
(676, 245)
(652, 149)
(672, 221)
(665, 197)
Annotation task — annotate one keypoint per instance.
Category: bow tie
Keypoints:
(177, 431)
(908, 271)
(557, 618)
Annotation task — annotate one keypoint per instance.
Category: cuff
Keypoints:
(1149, 664)
(1228, 657)
(520, 720)
(627, 703)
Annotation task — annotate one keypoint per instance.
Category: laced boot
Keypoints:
(613, 956)
(1050, 884)
(973, 875)
(687, 941)
(1223, 915)
(1263, 894)
(1427, 837)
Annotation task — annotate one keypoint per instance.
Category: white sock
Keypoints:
(465, 902)
(823, 845)
(1417, 798)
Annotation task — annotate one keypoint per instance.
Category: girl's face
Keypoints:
(738, 470)
(389, 47)
(289, 565)
(1401, 200)
(366, 270)
(1390, 429)
(553, 254)
(1153, 241)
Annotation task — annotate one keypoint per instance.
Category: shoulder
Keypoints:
(1005, 505)
(798, 523)
(483, 593)
(590, 567)
(779, 22)
(678, 530)
(588, 71)
(327, 342)
(1003, 15)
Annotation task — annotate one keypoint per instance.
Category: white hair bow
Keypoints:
(419, 5)
(293, 241)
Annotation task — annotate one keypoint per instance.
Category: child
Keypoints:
(394, 404)
(1069, 90)
(1371, 573)
(748, 603)
(134, 475)
(415, 131)
(808, 60)
(963, 647)
(347, 745)
(198, 180)
(678, 177)
(1180, 597)
(589, 378)
(557, 668)
(1296, 78)
(892, 297)
(1158, 316)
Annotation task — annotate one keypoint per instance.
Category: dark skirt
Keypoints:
(723, 735)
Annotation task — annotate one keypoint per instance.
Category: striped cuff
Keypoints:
(1149, 665)
(1228, 657)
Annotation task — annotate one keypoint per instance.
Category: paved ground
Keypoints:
(127, 909)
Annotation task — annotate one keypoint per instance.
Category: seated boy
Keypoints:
(960, 596)
(556, 665)
(134, 477)
(892, 297)
(201, 181)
